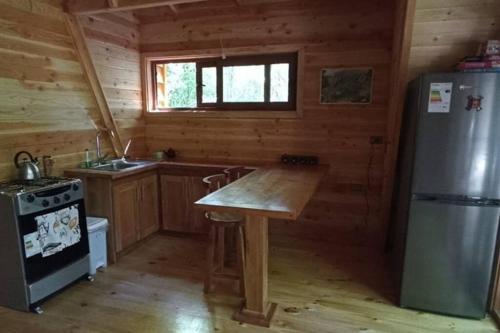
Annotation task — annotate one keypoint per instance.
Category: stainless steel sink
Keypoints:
(118, 165)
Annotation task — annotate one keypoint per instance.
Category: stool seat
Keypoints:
(224, 217)
(236, 173)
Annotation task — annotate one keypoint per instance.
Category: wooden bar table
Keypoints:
(275, 191)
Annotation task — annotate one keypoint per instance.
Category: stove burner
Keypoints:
(40, 182)
(18, 185)
(10, 187)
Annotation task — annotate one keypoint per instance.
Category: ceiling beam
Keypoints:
(90, 73)
(91, 7)
(402, 36)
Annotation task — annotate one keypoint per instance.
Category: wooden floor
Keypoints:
(158, 288)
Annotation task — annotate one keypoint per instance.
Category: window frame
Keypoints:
(154, 82)
(266, 59)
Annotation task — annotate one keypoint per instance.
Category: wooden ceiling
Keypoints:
(206, 8)
(153, 11)
(91, 7)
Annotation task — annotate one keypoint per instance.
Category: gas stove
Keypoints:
(31, 210)
(15, 187)
(32, 196)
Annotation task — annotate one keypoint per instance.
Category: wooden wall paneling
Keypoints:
(399, 76)
(113, 41)
(91, 75)
(46, 106)
(333, 34)
(446, 31)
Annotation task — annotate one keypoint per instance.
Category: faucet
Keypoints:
(99, 158)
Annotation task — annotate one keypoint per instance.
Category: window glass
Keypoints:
(238, 83)
(209, 85)
(243, 84)
(176, 85)
(280, 82)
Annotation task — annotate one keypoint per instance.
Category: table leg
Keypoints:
(256, 309)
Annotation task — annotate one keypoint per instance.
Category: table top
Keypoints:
(276, 191)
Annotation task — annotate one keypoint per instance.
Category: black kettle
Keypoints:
(28, 167)
(170, 153)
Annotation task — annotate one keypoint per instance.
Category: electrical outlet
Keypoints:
(376, 140)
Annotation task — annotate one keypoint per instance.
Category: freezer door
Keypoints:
(458, 152)
(449, 258)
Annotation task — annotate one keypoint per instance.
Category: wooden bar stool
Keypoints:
(220, 226)
(236, 173)
(233, 174)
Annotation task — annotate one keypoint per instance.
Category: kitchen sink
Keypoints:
(118, 165)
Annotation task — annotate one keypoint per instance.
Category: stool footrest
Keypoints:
(219, 264)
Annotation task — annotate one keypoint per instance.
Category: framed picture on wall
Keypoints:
(346, 85)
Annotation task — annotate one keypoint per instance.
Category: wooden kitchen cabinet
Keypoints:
(126, 214)
(149, 215)
(174, 202)
(135, 209)
(178, 194)
(130, 203)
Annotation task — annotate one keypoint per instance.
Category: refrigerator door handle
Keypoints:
(457, 200)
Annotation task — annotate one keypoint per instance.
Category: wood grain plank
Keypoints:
(272, 191)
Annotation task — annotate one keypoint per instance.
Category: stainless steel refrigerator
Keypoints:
(447, 199)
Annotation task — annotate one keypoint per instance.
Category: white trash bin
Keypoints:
(97, 228)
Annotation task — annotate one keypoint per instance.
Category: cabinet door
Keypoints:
(125, 211)
(149, 214)
(173, 200)
(195, 216)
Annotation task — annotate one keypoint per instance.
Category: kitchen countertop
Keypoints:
(277, 191)
(149, 165)
(111, 174)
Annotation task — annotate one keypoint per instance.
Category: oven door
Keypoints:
(39, 264)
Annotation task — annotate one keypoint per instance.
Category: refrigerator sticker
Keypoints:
(32, 244)
(440, 97)
(474, 103)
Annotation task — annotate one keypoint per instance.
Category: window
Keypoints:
(263, 82)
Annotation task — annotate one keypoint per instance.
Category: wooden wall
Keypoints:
(113, 41)
(445, 31)
(334, 33)
(46, 106)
